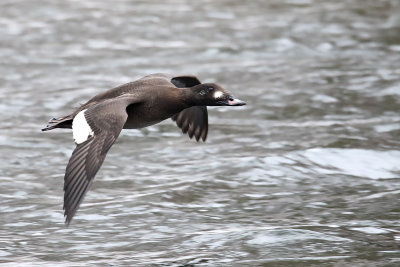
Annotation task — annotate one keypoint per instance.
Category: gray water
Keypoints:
(307, 174)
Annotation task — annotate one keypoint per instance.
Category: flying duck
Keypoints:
(156, 97)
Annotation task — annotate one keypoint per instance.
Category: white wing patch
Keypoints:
(81, 130)
(218, 94)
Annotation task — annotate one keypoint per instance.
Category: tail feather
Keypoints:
(63, 122)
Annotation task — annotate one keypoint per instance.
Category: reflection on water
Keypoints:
(306, 174)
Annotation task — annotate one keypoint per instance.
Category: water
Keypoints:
(307, 174)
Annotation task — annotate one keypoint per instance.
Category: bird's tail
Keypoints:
(62, 122)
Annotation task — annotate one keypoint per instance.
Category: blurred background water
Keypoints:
(307, 174)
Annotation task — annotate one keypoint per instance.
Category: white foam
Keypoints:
(371, 230)
(357, 162)
(81, 130)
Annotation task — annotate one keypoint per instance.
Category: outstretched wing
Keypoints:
(194, 121)
(106, 121)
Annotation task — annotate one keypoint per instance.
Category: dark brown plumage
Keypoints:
(193, 121)
(154, 98)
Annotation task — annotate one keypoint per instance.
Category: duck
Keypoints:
(154, 98)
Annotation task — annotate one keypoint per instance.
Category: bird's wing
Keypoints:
(182, 81)
(177, 80)
(194, 121)
(106, 121)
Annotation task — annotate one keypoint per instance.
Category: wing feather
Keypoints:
(194, 121)
(106, 119)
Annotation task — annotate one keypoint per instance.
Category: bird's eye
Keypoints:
(210, 89)
(202, 92)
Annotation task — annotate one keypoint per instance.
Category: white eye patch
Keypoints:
(218, 94)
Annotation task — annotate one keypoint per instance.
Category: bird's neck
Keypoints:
(186, 96)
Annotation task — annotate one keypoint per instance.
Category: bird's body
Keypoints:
(150, 100)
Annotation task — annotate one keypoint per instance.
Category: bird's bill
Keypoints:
(231, 101)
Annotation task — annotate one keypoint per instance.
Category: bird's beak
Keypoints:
(231, 101)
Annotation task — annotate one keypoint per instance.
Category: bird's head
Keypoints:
(212, 94)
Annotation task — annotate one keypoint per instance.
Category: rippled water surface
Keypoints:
(307, 174)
